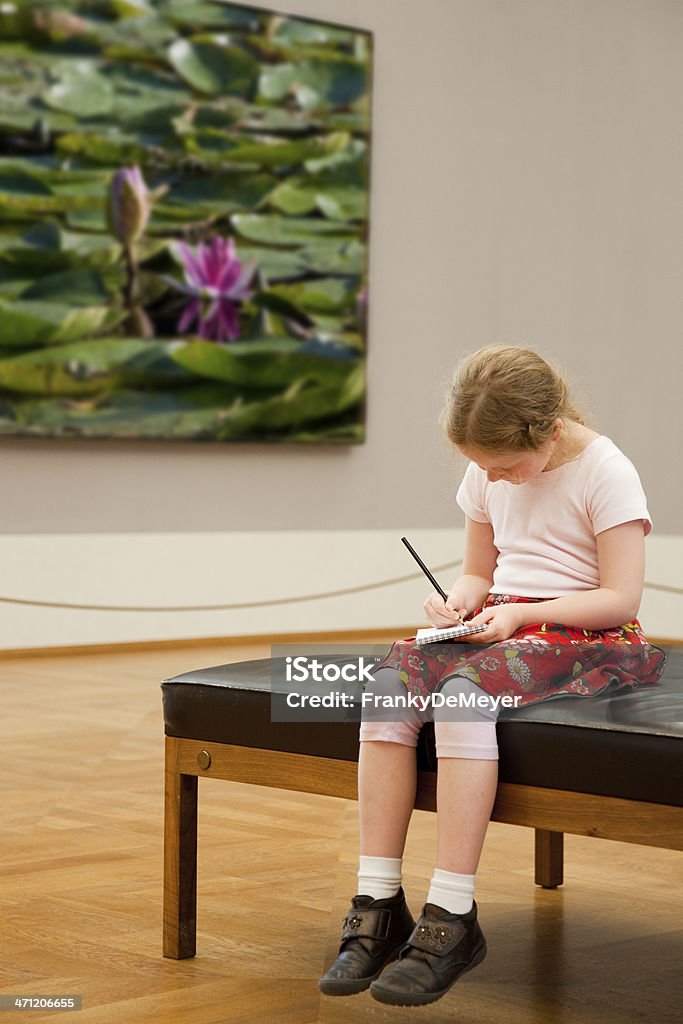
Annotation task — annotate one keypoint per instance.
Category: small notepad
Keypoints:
(431, 636)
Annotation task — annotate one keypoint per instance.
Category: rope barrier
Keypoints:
(343, 592)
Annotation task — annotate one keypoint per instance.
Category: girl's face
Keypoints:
(514, 467)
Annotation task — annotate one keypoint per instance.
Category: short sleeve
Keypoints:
(616, 495)
(470, 495)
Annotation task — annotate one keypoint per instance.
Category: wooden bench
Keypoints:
(609, 766)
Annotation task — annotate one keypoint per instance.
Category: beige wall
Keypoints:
(527, 170)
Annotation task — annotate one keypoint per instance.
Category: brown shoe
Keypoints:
(373, 931)
(441, 948)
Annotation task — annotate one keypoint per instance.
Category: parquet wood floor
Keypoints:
(81, 769)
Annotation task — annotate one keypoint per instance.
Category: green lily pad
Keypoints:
(331, 80)
(102, 149)
(147, 99)
(322, 296)
(212, 69)
(18, 115)
(222, 112)
(131, 8)
(276, 264)
(295, 32)
(270, 152)
(83, 287)
(33, 262)
(340, 192)
(25, 207)
(16, 181)
(270, 302)
(355, 121)
(198, 197)
(87, 367)
(274, 230)
(191, 413)
(283, 121)
(29, 324)
(340, 202)
(48, 237)
(355, 152)
(198, 412)
(303, 402)
(45, 235)
(343, 204)
(50, 174)
(341, 258)
(267, 363)
(81, 90)
(142, 39)
(155, 119)
(212, 16)
(12, 284)
(46, 249)
(325, 257)
(88, 218)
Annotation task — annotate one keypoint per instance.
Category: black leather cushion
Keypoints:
(625, 743)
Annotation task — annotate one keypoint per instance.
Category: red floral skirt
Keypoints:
(538, 661)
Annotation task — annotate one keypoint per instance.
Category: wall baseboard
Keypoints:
(355, 636)
(351, 636)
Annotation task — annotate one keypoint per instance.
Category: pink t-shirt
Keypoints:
(545, 529)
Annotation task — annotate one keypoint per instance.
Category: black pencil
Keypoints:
(424, 568)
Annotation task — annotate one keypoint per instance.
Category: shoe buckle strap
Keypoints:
(366, 924)
(436, 938)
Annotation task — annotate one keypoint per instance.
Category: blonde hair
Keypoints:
(505, 398)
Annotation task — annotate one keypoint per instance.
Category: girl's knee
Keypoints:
(475, 740)
(466, 727)
(464, 701)
(384, 714)
(390, 732)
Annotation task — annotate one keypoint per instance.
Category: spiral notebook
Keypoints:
(432, 635)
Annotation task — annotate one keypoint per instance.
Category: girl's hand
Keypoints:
(502, 621)
(445, 613)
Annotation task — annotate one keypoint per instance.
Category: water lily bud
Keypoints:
(129, 205)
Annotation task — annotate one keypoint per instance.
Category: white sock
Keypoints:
(379, 877)
(453, 892)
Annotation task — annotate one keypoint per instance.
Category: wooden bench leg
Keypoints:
(180, 859)
(549, 858)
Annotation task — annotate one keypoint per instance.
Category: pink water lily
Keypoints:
(216, 280)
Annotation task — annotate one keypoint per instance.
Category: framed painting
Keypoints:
(183, 222)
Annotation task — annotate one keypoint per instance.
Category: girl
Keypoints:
(555, 521)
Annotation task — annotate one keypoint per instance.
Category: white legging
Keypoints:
(470, 734)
